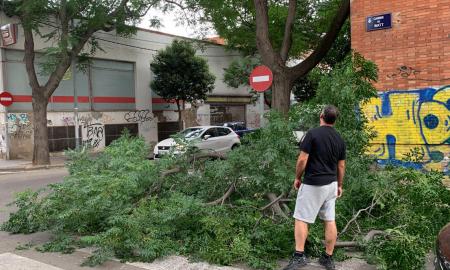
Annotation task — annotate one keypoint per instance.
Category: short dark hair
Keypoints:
(329, 114)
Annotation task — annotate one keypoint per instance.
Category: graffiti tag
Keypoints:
(95, 134)
(138, 116)
(19, 125)
(404, 72)
(68, 121)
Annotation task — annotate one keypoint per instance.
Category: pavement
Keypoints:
(12, 258)
(15, 165)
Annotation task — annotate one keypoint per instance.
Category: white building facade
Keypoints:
(113, 93)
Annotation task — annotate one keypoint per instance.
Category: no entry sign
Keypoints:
(261, 78)
(6, 99)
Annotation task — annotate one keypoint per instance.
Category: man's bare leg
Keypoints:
(301, 233)
(330, 236)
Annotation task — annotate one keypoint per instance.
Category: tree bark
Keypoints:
(325, 44)
(281, 92)
(180, 120)
(276, 61)
(41, 154)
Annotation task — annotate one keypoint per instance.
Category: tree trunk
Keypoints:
(180, 120)
(41, 154)
(281, 92)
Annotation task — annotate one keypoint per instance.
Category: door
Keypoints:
(224, 139)
(209, 144)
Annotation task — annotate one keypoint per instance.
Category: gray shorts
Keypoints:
(316, 200)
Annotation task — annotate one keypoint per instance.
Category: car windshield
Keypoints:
(191, 132)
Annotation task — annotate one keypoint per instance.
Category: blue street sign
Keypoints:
(378, 22)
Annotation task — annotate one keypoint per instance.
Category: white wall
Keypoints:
(146, 44)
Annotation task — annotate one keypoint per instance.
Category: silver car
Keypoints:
(215, 139)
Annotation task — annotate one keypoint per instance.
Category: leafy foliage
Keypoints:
(234, 20)
(347, 86)
(180, 75)
(110, 202)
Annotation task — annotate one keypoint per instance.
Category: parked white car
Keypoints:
(215, 139)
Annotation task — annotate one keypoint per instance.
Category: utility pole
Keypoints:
(75, 98)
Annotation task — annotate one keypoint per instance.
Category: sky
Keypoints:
(169, 24)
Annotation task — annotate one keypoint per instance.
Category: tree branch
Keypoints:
(29, 57)
(225, 196)
(368, 237)
(368, 208)
(325, 44)
(273, 202)
(276, 206)
(265, 48)
(287, 39)
(156, 187)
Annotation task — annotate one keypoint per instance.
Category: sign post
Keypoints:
(261, 79)
(6, 99)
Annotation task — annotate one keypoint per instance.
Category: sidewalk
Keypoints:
(26, 165)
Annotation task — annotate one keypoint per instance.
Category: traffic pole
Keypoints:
(261, 109)
(261, 79)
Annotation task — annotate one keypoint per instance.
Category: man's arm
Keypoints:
(340, 176)
(300, 168)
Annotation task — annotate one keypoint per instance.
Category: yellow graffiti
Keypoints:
(407, 120)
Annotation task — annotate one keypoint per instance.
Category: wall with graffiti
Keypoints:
(411, 121)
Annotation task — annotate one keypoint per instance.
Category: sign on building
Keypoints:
(9, 34)
(379, 22)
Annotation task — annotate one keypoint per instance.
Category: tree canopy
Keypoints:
(180, 75)
(291, 37)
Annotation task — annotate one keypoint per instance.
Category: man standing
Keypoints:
(322, 161)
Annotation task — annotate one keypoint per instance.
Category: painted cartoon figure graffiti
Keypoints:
(406, 120)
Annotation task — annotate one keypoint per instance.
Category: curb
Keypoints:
(31, 168)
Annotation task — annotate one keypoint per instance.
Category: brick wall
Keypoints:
(413, 57)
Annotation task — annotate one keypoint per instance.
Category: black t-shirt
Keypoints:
(325, 148)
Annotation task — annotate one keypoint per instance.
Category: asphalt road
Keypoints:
(30, 259)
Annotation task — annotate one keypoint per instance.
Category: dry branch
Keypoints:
(158, 184)
(225, 196)
(368, 237)
(360, 211)
(275, 204)
(279, 198)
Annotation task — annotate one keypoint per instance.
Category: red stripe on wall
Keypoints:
(22, 98)
(85, 99)
(114, 100)
(162, 101)
(69, 99)
(81, 99)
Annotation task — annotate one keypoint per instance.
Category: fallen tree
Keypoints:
(236, 208)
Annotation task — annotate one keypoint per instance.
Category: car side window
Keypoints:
(223, 131)
(211, 132)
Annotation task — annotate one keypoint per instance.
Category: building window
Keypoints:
(166, 129)
(61, 138)
(223, 113)
(113, 132)
(107, 85)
